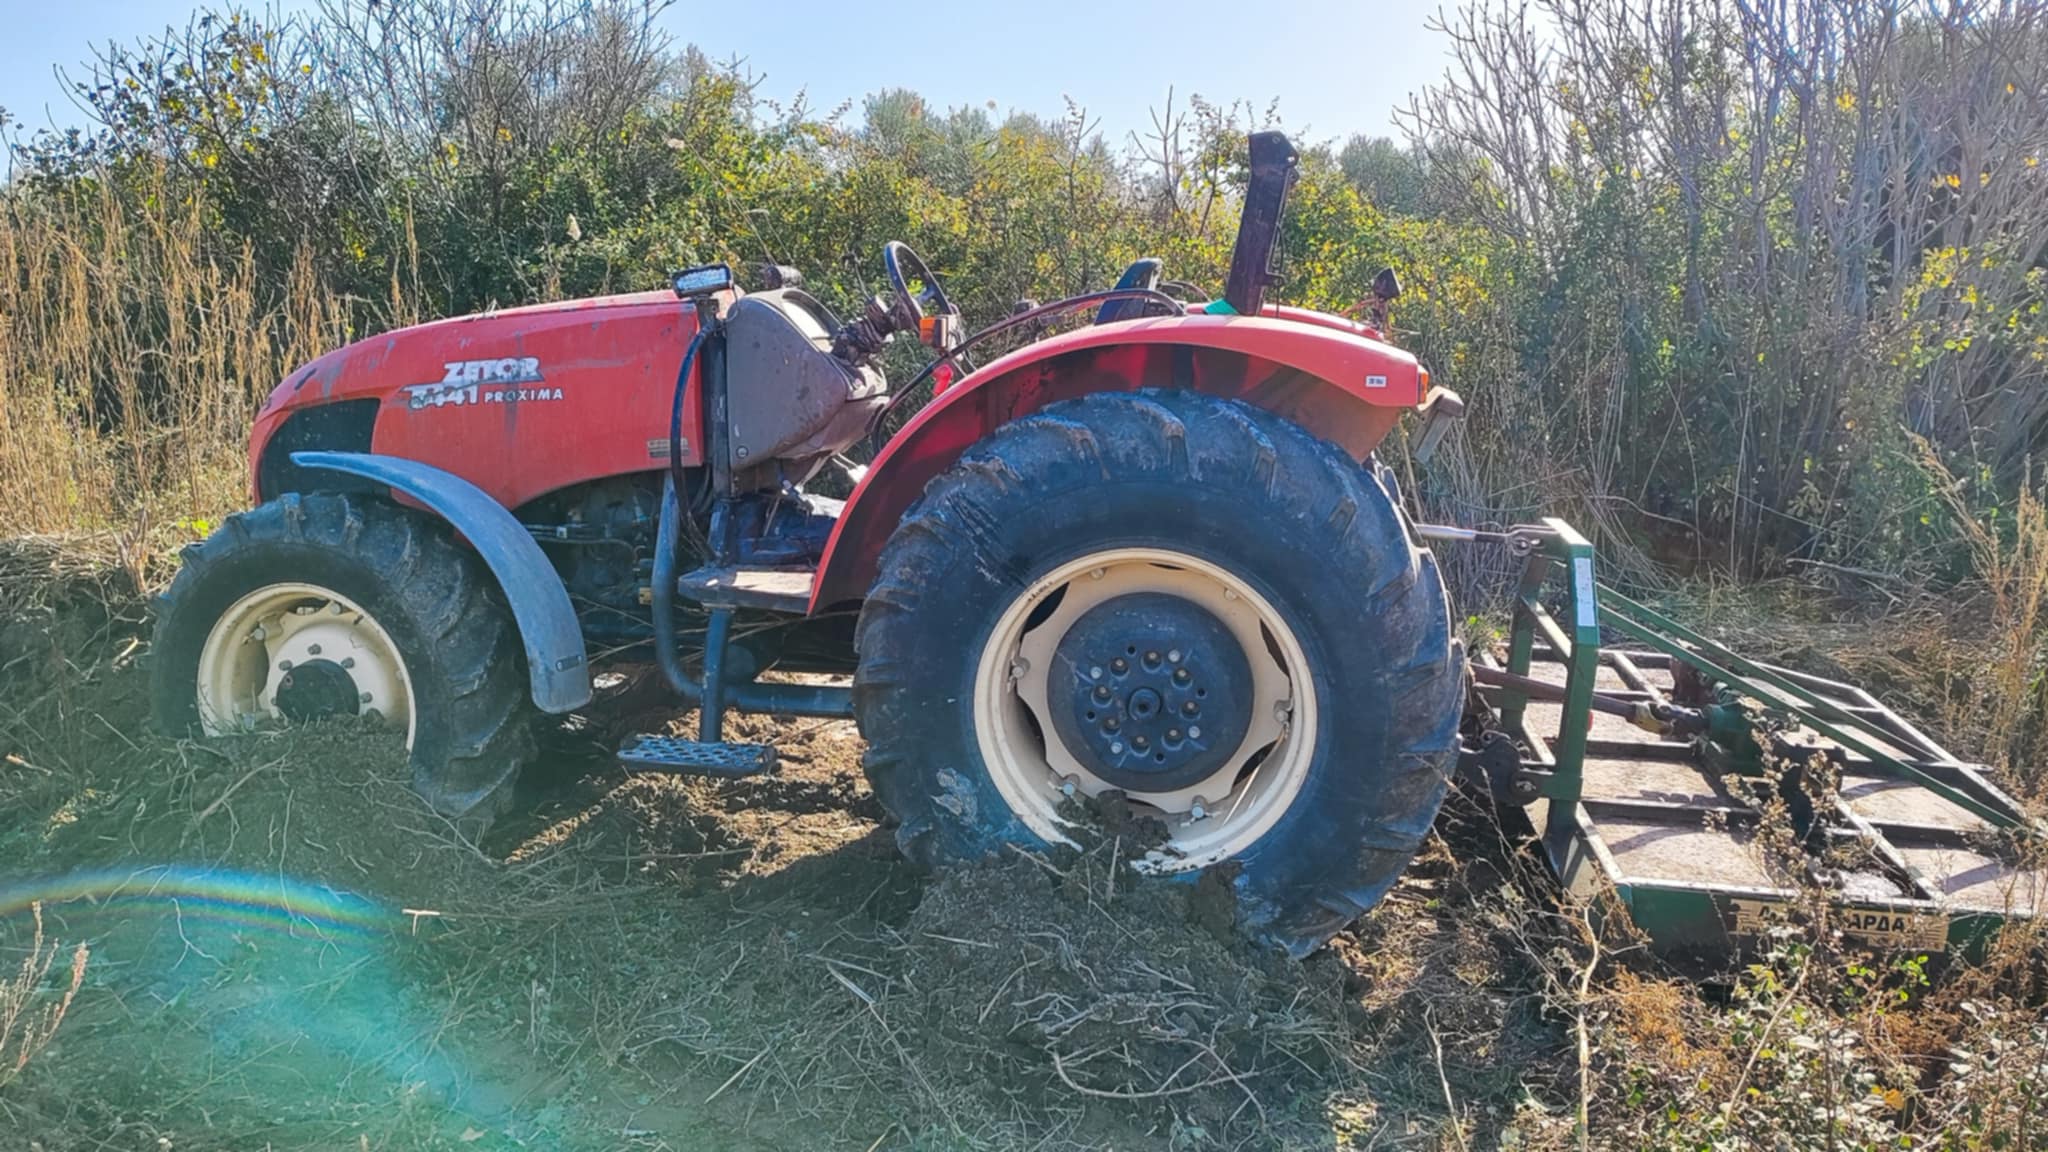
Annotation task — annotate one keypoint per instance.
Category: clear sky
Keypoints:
(1336, 66)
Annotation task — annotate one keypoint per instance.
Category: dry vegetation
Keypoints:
(132, 357)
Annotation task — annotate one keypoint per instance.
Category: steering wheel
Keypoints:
(906, 267)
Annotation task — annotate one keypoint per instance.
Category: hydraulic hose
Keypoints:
(664, 594)
(668, 539)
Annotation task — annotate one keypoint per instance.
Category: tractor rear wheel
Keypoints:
(326, 604)
(1185, 605)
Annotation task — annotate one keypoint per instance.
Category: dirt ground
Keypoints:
(286, 950)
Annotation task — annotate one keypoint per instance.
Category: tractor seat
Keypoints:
(1141, 274)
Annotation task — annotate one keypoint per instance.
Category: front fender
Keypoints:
(548, 629)
(1324, 374)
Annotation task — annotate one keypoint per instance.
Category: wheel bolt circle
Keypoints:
(1136, 720)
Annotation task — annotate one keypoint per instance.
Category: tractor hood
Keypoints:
(520, 401)
(349, 368)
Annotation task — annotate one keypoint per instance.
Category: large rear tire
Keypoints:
(1064, 607)
(328, 603)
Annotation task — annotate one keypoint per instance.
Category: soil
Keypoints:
(287, 950)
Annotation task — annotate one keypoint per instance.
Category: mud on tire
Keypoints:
(436, 602)
(1314, 533)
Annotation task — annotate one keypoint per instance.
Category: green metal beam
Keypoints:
(1682, 643)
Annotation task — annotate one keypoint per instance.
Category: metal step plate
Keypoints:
(773, 589)
(649, 753)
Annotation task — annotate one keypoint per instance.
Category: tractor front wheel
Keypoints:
(1183, 605)
(326, 604)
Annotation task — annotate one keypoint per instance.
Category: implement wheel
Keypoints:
(1182, 601)
(325, 604)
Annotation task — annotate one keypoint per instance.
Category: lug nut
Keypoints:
(348, 661)
(1119, 666)
(1112, 724)
(365, 697)
(1173, 734)
(284, 665)
(1151, 659)
(1102, 691)
(1140, 743)
(1181, 676)
(1190, 708)
(312, 649)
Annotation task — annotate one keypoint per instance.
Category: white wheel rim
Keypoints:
(1034, 770)
(264, 635)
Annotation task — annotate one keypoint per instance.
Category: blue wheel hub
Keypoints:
(1150, 692)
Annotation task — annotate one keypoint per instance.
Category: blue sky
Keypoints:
(1336, 66)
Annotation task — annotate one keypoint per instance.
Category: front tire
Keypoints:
(1133, 565)
(328, 604)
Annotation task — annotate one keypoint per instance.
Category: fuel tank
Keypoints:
(519, 402)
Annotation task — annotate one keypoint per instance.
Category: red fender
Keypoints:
(1320, 372)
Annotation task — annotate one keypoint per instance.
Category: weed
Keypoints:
(29, 1018)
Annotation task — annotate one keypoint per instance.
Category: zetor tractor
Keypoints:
(1149, 560)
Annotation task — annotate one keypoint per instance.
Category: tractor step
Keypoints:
(649, 753)
(773, 589)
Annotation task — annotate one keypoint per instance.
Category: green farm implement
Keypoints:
(1659, 769)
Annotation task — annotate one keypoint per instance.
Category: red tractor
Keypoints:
(1151, 557)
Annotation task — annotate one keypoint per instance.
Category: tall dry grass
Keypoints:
(2005, 706)
(133, 354)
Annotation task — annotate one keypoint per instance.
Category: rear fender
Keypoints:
(555, 659)
(1329, 378)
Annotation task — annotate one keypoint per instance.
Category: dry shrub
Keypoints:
(28, 1017)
